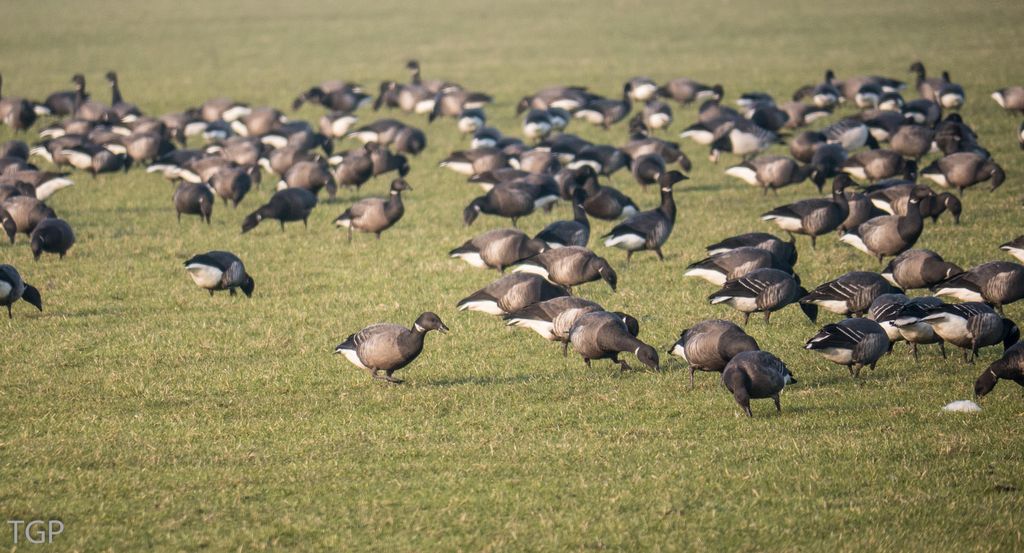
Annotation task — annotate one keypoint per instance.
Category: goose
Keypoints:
(569, 266)
(851, 134)
(826, 161)
(96, 159)
(576, 232)
(850, 294)
(770, 172)
(552, 318)
(604, 202)
(232, 183)
(478, 160)
(125, 111)
(642, 89)
(750, 99)
(765, 291)
(926, 87)
(963, 170)
(971, 326)
(734, 263)
(767, 116)
(145, 147)
(997, 283)
(915, 269)
(536, 124)
(381, 131)
(891, 101)
(783, 250)
(912, 141)
(223, 109)
(799, 114)
(489, 179)
(823, 95)
(14, 148)
(813, 217)
(513, 199)
(375, 214)
(258, 122)
(569, 98)
(194, 199)
(62, 102)
(861, 210)
(511, 293)
(949, 95)
(657, 115)
(410, 98)
(756, 375)
(386, 347)
(709, 345)
(803, 146)
(741, 137)
(336, 124)
(606, 112)
(885, 311)
(471, 120)
(875, 165)
(17, 113)
(855, 343)
(26, 212)
(1010, 98)
(280, 160)
(452, 101)
(44, 183)
(217, 270)
(642, 143)
(915, 331)
(385, 161)
(685, 91)
(51, 235)
(952, 135)
(433, 85)
(310, 175)
(346, 99)
(13, 288)
(707, 131)
(1008, 367)
(7, 223)
(559, 118)
(712, 111)
(87, 109)
(890, 235)
(498, 249)
(290, 204)
(922, 112)
(603, 158)
(853, 86)
(355, 168)
(486, 137)
(648, 230)
(647, 169)
(538, 161)
(604, 335)
(1015, 247)
(883, 124)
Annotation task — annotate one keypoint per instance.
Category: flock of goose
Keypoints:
(877, 205)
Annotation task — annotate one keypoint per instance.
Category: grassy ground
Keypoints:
(145, 414)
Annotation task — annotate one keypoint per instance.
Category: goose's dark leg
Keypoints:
(350, 233)
(778, 406)
(657, 250)
(942, 348)
(746, 318)
(9, 314)
(565, 349)
(691, 376)
(282, 224)
(392, 379)
(179, 217)
(914, 346)
(211, 293)
(231, 292)
(813, 241)
(767, 317)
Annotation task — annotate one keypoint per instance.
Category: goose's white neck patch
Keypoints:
(637, 351)
(419, 328)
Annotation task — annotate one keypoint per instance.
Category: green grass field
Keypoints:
(146, 415)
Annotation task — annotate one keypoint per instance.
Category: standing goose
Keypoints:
(606, 112)
(648, 230)
(217, 270)
(803, 145)
(685, 91)
(997, 283)
(890, 235)
(926, 87)
(875, 165)
(472, 162)
(8, 224)
(452, 101)
(604, 335)
(375, 214)
(604, 202)
(742, 138)
(570, 98)
(657, 115)
(62, 102)
(1008, 367)
(537, 124)
(1015, 247)
(336, 124)
(553, 318)
(498, 249)
(290, 204)
(851, 134)
(709, 345)
(964, 169)
(569, 266)
(912, 141)
(770, 172)
(194, 199)
(800, 114)
(824, 94)
(26, 212)
(971, 326)
(232, 183)
(346, 99)
(52, 236)
(511, 293)
(410, 98)
(733, 264)
(90, 110)
(647, 169)
(576, 232)
(13, 288)
(388, 347)
(125, 111)
(642, 89)
(763, 290)
(641, 143)
(851, 293)
(908, 321)
(756, 375)
(512, 199)
(949, 95)
(355, 168)
(916, 269)
(816, 216)
(309, 175)
(854, 343)
(784, 251)
(433, 85)
(885, 311)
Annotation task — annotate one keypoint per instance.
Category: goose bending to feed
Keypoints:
(511, 293)
(1015, 247)
(709, 345)
(498, 249)
(971, 326)
(553, 318)
(290, 204)
(8, 224)
(52, 236)
(604, 202)
(823, 95)
(770, 172)
(537, 124)
(783, 250)
(569, 266)
(1008, 367)
(26, 213)
(875, 165)
(763, 291)
(514, 200)
(386, 348)
(997, 283)
(685, 91)
(657, 115)
(916, 269)
(232, 183)
(476, 161)
(375, 214)
(648, 230)
(733, 264)
(604, 335)
(850, 294)
(851, 134)
(1010, 98)
(194, 199)
(855, 343)
(17, 113)
(962, 170)
(570, 98)
(890, 235)
(606, 112)
(885, 310)
(913, 329)
(13, 288)
(756, 375)
(741, 137)
(912, 141)
(217, 270)
(576, 232)
(815, 216)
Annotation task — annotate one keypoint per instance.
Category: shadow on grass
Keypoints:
(480, 381)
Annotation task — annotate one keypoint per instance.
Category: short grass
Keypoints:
(146, 415)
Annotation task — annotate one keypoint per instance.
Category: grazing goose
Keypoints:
(1010, 98)
(375, 214)
(742, 138)
(893, 197)
(915, 331)
(489, 179)
(223, 109)
(883, 125)
(816, 216)
(569, 266)
(217, 270)
(513, 199)
(388, 347)
(768, 117)
(336, 124)
(890, 235)
(750, 99)
(875, 165)
(16, 113)
(13, 288)
(16, 149)
(498, 249)
(26, 212)
(642, 89)
(685, 91)
(606, 112)
(258, 122)
(452, 101)
(647, 169)
(784, 251)
(51, 236)
(885, 311)
(912, 141)
(964, 169)
(763, 291)
(824, 94)
(799, 114)
(1015, 247)
(850, 294)
(290, 204)
(346, 99)
(803, 146)
(559, 118)
(861, 210)
(949, 95)
(45, 183)
(756, 375)
(194, 199)
(916, 269)
(96, 159)
(657, 115)
(1008, 367)
(971, 326)
(569, 98)
(854, 343)
(511, 293)
(851, 134)
(356, 167)
(604, 202)
(410, 98)
(576, 232)
(734, 263)
(603, 158)
(1020, 135)
(922, 112)
(648, 230)
(709, 129)
(433, 85)
(309, 175)
(472, 162)
(997, 283)
(642, 143)
(232, 183)
(553, 319)
(604, 335)
(709, 345)
(891, 101)
(770, 172)
(537, 124)
(470, 121)
(8, 224)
